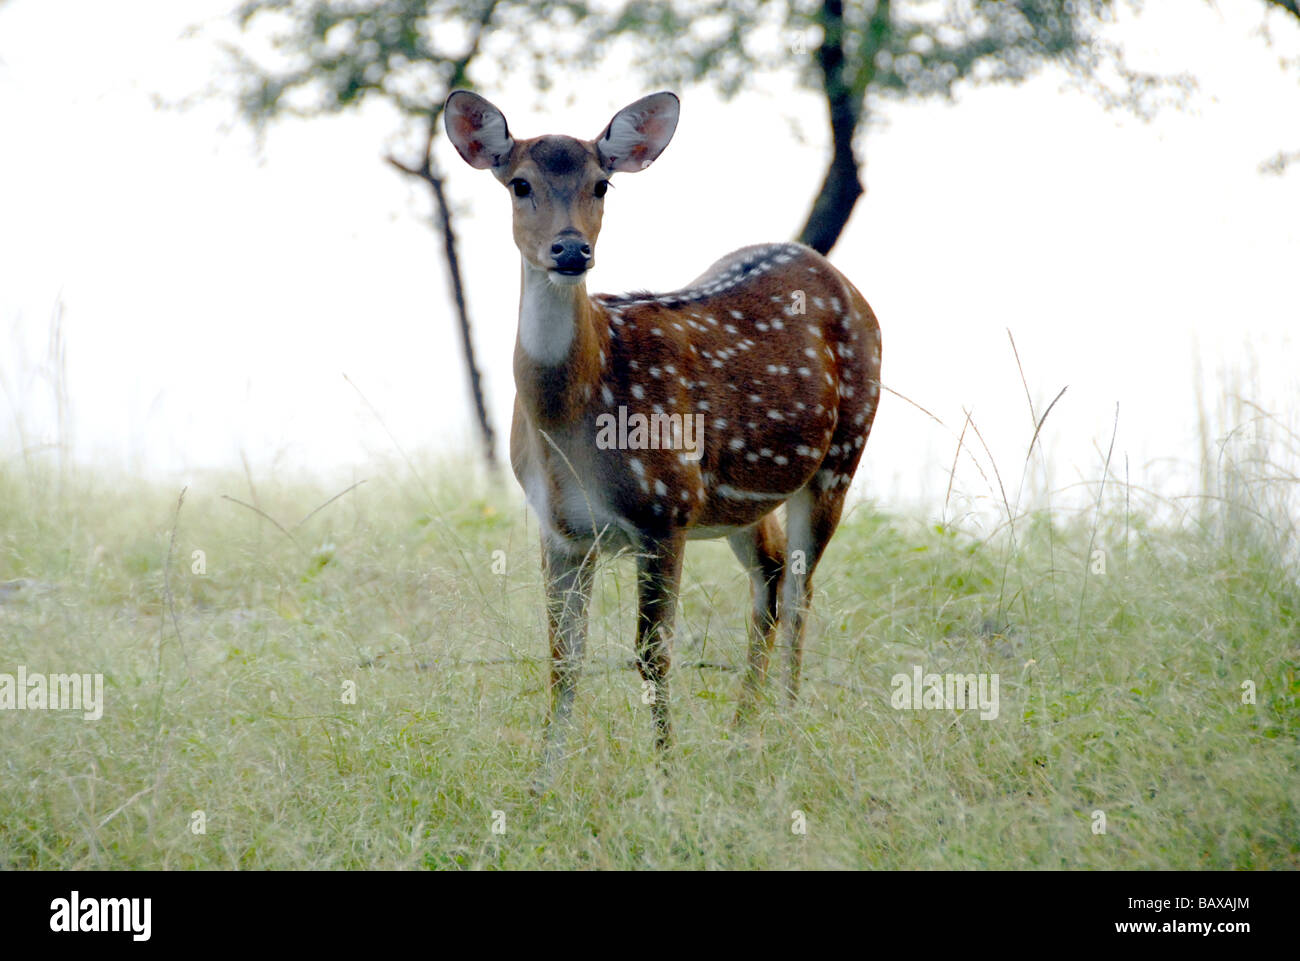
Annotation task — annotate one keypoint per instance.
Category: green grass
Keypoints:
(1120, 692)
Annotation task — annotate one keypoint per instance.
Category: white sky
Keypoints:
(214, 298)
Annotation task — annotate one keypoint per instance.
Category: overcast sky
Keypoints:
(214, 297)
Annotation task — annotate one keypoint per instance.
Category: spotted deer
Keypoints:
(772, 351)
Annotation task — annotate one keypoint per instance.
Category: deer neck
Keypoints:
(557, 352)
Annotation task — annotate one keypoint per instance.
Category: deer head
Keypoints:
(557, 184)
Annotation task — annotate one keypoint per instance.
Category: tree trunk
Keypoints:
(442, 217)
(842, 187)
(839, 192)
(486, 433)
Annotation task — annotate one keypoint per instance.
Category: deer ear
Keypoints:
(478, 129)
(638, 133)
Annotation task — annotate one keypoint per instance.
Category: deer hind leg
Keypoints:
(761, 551)
(810, 520)
(568, 579)
(659, 573)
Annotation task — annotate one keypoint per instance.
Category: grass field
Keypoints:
(1121, 644)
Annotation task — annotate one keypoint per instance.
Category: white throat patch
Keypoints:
(546, 316)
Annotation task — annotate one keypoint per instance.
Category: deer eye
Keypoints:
(601, 187)
(522, 188)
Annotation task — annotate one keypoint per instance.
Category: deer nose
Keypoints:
(571, 255)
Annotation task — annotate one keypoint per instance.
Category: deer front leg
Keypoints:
(659, 572)
(810, 520)
(761, 551)
(568, 579)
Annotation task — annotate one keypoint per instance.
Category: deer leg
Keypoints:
(659, 572)
(760, 551)
(810, 520)
(568, 579)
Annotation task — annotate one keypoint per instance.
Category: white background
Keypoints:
(214, 296)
